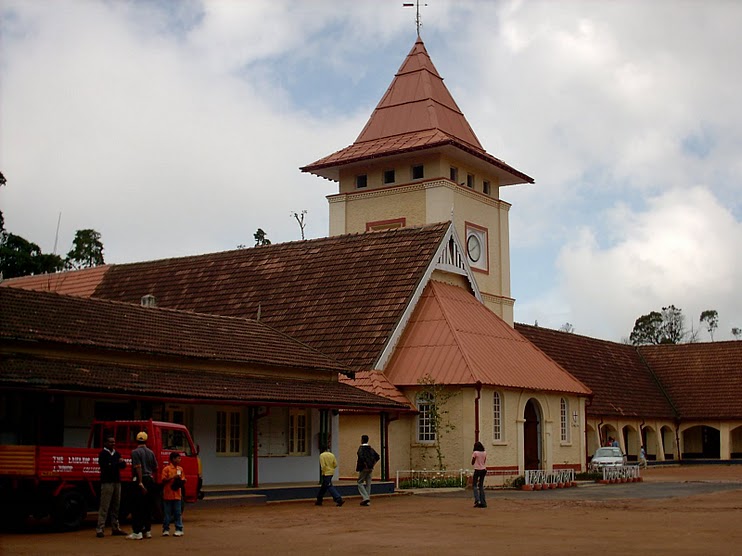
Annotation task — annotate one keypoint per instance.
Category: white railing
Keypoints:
(624, 473)
(556, 477)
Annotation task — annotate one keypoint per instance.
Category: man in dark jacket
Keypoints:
(111, 464)
(367, 458)
(144, 471)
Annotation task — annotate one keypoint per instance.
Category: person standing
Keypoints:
(144, 471)
(328, 464)
(173, 480)
(478, 460)
(643, 457)
(367, 458)
(111, 464)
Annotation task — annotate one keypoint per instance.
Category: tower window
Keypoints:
(454, 174)
(486, 188)
(470, 181)
(361, 181)
(389, 176)
(417, 172)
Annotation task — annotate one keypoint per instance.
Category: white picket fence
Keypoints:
(541, 477)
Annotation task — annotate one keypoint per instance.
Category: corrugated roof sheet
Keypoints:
(704, 380)
(622, 384)
(416, 112)
(456, 340)
(377, 383)
(73, 321)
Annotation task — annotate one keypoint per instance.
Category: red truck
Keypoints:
(64, 483)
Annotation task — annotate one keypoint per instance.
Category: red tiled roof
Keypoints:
(341, 295)
(416, 112)
(73, 321)
(80, 282)
(704, 380)
(456, 340)
(377, 383)
(621, 383)
(135, 381)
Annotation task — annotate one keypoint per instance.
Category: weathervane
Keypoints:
(417, 14)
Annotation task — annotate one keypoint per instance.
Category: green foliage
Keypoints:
(665, 327)
(20, 257)
(517, 482)
(737, 333)
(260, 238)
(434, 479)
(87, 250)
(710, 318)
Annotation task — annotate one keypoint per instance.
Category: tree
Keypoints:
(710, 318)
(260, 238)
(665, 327)
(20, 257)
(87, 250)
(300, 220)
(737, 333)
(567, 327)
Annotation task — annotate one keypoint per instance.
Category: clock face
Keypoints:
(474, 248)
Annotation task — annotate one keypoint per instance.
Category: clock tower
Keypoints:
(416, 162)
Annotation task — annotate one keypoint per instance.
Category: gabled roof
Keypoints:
(29, 316)
(377, 383)
(341, 295)
(416, 112)
(703, 380)
(622, 384)
(455, 339)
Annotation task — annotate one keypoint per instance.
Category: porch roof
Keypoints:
(185, 385)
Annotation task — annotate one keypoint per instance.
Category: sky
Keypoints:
(178, 127)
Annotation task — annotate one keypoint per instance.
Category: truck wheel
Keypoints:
(70, 510)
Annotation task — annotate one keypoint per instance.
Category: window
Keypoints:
(496, 417)
(454, 174)
(470, 181)
(392, 224)
(389, 176)
(298, 432)
(361, 181)
(417, 172)
(228, 433)
(486, 188)
(564, 415)
(425, 420)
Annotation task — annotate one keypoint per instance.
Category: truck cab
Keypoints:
(163, 439)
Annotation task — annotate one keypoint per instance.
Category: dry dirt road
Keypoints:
(689, 510)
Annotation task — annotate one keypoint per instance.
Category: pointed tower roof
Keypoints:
(417, 112)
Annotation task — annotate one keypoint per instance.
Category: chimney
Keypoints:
(149, 300)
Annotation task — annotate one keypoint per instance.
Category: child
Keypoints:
(173, 480)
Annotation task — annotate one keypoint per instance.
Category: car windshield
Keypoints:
(607, 453)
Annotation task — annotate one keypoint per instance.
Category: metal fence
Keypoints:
(431, 478)
(556, 477)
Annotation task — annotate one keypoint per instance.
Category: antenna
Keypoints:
(418, 23)
(56, 236)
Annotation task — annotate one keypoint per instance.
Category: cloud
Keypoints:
(682, 250)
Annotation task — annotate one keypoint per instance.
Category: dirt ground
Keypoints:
(688, 510)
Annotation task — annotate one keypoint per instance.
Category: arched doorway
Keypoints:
(701, 441)
(532, 435)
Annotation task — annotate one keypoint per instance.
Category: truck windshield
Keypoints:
(176, 440)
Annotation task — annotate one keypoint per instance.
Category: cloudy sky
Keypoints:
(178, 127)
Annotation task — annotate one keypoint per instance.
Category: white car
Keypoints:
(607, 457)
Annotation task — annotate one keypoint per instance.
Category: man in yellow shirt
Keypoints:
(328, 464)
